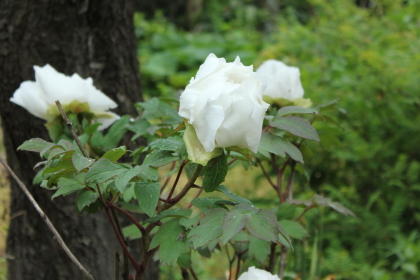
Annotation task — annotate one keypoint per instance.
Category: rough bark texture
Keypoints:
(93, 38)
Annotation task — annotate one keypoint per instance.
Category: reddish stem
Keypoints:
(114, 227)
(266, 175)
(197, 195)
(232, 161)
(176, 181)
(167, 179)
(134, 220)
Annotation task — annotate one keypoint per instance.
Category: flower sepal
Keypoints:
(195, 150)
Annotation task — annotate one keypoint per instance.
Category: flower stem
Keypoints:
(185, 190)
(70, 127)
(176, 181)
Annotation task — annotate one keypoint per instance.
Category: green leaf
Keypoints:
(233, 223)
(148, 173)
(215, 173)
(67, 186)
(89, 130)
(132, 232)
(233, 196)
(36, 145)
(155, 108)
(115, 154)
(258, 248)
(285, 211)
(85, 198)
(184, 260)
(283, 238)
(103, 170)
(294, 110)
(277, 145)
(294, 229)
(56, 131)
(139, 127)
(324, 201)
(188, 223)
(263, 224)
(147, 195)
(171, 240)
(206, 203)
(80, 162)
(58, 168)
(169, 144)
(209, 229)
(115, 133)
(159, 158)
(179, 213)
(67, 145)
(297, 126)
(125, 177)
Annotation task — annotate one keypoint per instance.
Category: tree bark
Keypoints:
(94, 39)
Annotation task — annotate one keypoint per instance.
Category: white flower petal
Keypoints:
(98, 101)
(282, 81)
(29, 96)
(224, 105)
(207, 124)
(106, 122)
(234, 128)
(39, 97)
(257, 274)
(57, 86)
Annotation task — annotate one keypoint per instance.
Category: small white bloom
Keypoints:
(224, 105)
(80, 94)
(282, 81)
(257, 274)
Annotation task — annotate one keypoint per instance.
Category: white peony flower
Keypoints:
(224, 105)
(74, 93)
(282, 81)
(257, 274)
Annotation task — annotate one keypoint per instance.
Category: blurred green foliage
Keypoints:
(369, 59)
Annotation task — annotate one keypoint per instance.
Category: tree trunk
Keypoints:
(93, 38)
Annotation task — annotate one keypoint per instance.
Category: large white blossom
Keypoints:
(73, 92)
(282, 81)
(257, 274)
(224, 105)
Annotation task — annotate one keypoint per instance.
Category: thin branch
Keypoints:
(272, 260)
(304, 211)
(70, 127)
(185, 190)
(289, 187)
(114, 227)
(193, 274)
(282, 266)
(47, 221)
(184, 273)
(169, 177)
(112, 200)
(232, 161)
(131, 217)
(176, 181)
(266, 174)
(117, 266)
(265, 129)
(196, 195)
(125, 273)
(238, 265)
